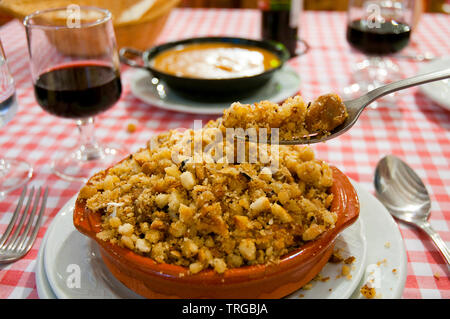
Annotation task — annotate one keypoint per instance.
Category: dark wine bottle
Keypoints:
(280, 20)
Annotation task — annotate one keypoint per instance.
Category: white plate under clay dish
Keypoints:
(284, 83)
(438, 91)
(69, 264)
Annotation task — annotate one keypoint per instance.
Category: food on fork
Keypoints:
(325, 114)
(294, 118)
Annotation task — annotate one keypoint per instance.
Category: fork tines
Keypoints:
(20, 236)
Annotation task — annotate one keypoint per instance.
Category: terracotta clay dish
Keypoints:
(160, 280)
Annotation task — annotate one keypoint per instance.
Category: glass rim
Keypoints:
(28, 24)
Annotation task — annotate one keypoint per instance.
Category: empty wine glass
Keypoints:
(75, 71)
(377, 28)
(14, 173)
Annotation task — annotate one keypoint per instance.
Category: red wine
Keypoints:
(78, 90)
(390, 37)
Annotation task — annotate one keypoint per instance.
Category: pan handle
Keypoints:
(305, 48)
(126, 52)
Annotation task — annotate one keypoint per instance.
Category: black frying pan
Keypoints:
(206, 86)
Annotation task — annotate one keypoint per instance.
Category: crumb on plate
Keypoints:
(368, 292)
(349, 260)
(336, 257)
(384, 261)
(307, 286)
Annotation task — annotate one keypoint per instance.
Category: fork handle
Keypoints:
(438, 241)
(403, 84)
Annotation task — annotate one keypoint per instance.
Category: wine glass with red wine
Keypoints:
(377, 28)
(75, 72)
(14, 172)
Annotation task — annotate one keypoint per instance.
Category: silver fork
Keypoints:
(14, 246)
(356, 106)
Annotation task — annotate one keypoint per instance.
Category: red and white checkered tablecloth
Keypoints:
(415, 129)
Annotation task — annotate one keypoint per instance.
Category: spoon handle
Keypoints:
(437, 240)
(371, 96)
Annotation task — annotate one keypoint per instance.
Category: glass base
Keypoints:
(371, 74)
(13, 174)
(82, 163)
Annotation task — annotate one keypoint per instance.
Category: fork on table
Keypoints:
(19, 237)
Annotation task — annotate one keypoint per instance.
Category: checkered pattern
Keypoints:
(414, 129)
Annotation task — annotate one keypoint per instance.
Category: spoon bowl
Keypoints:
(405, 196)
(411, 202)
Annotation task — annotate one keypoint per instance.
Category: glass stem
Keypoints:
(374, 60)
(4, 166)
(88, 149)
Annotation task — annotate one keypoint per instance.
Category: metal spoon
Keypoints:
(402, 192)
(356, 106)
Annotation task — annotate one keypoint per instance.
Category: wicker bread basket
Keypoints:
(137, 23)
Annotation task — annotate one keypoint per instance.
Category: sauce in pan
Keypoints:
(215, 61)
